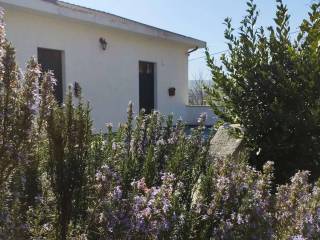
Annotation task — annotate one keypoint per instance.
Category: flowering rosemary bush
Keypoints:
(147, 180)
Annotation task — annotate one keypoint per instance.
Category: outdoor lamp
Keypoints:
(103, 43)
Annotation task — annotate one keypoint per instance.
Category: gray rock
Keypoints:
(226, 143)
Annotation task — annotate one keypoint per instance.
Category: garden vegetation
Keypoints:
(269, 83)
(147, 180)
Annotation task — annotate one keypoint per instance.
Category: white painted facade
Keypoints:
(109, 79)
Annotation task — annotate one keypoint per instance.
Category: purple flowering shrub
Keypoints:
(149, 179)
(152, 208)
(146, 213)
(234, 202)
(194, 197)
(298, 205)
(231, 200)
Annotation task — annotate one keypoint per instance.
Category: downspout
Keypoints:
(193, 50)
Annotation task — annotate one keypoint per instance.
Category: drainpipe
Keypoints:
(193, 50)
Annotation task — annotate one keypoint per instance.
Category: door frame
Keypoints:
(63, 68)
(155, 82)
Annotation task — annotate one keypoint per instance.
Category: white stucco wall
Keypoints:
(110, 79)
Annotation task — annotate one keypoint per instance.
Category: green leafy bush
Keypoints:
(270, 85)
(147, 180)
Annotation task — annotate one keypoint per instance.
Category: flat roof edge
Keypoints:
(68, 10)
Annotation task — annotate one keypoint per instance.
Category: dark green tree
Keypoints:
(270, 84)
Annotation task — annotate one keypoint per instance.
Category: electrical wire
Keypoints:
(224, 51)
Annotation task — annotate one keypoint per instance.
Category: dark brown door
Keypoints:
(52, 60)
(146, 86)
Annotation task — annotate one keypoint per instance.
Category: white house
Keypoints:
(114, 59)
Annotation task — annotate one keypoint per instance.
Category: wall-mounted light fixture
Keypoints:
(103, 43)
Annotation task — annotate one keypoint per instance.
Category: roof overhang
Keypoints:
(71, 11)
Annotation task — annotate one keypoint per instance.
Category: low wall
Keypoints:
(193, 113)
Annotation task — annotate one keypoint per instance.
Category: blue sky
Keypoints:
(200, 19)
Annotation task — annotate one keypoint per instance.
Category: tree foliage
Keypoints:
(149, 179)
(269, 83)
